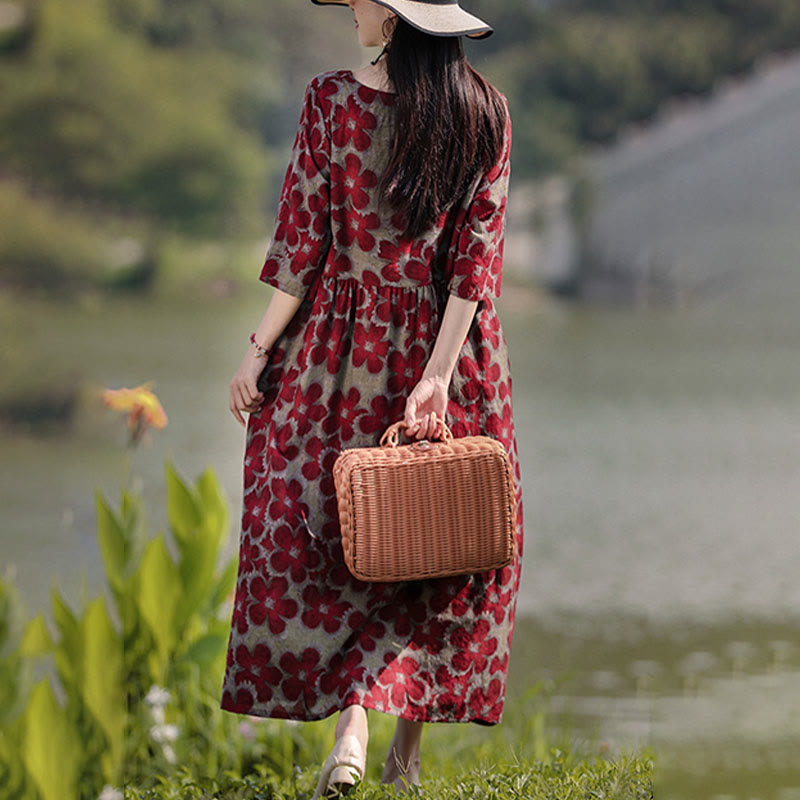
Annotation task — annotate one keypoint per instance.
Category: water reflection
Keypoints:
(721, 712)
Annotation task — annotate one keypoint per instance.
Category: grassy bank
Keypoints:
(562, 778)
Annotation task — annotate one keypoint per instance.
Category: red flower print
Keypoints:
(293, 216)
(240, 603)
(305, 163)
(292, 553)
(497, 602)
(474, 387)
(482, 207)
(343, 411)
(302, 676)
(478, 700)
(306, 408)
(271, 606)
(326, 90)
(474, 648)
(433, 637)
(349, 183)
(369, 633)
(331, 344)
(254, 512)
(490, 328)
(470, 262)
(391, 273)
(289, 382)
(323, 608)
(318, 204)
(250, 556)
(385, 412)
(399, 676)
(254, 669)
(499, 664)
(417, 271)
(284, 450)
(341, 264)
(501, 427)
(353, 226)
(404, 373)
(402, 250)
(452, 699)
(370, 345)
(326, 485)
(386, 311)
(285, 498)
(353, 123)
(311, 468)
(304, 252)
(343, 672)
(405, 621)
(254, 458)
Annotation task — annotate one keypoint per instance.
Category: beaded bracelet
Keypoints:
(262, 351)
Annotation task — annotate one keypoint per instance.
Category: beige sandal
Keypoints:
(344, 766)
(409, 772)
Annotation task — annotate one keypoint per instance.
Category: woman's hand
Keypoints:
(428, 398)
(245, 395)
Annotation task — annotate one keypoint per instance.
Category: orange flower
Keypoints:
(142, 406)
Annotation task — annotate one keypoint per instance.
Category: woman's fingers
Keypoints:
(235, 411)
(239, 402)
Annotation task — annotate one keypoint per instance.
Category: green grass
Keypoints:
(523, 757)
(563, 777)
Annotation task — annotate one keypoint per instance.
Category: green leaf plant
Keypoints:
(136, 684)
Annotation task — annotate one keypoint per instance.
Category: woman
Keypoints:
(385, 259)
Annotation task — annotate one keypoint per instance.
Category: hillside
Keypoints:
(142, 142)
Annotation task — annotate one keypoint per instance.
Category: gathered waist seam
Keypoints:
(349, 279)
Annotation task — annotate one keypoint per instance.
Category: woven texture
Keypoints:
(426, 509)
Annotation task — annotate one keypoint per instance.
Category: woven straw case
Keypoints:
(427, 509)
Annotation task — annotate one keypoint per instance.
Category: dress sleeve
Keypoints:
(302, 234)
(477, 253)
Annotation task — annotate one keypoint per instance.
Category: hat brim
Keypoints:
(442, 18)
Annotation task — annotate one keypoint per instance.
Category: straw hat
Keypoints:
(438, 17)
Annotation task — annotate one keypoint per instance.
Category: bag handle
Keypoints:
(391, 434)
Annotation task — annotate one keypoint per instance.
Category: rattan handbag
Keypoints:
(427, 509)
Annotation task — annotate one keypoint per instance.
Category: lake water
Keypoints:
(660, 456)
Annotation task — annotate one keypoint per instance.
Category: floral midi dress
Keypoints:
(307, 638)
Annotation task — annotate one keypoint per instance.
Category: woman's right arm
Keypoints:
(244, 394)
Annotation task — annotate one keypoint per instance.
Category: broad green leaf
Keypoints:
(51, 747)
(205, 650)
(112, 540)
(67, 654)
(183, 510)
(36, 640)
(198, 560)
(215, 508)
(226, 584)
(102, 675)
(158, 592)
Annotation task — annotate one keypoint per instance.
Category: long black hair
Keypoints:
(449, 125)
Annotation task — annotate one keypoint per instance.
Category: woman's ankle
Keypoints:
(353, 723)
(406, 739)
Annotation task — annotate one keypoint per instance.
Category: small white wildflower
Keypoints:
(158, 696)
(246, 730)
(169, 753)
(164, 733)
(110, 793)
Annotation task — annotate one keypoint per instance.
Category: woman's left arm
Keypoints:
(429, 396)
